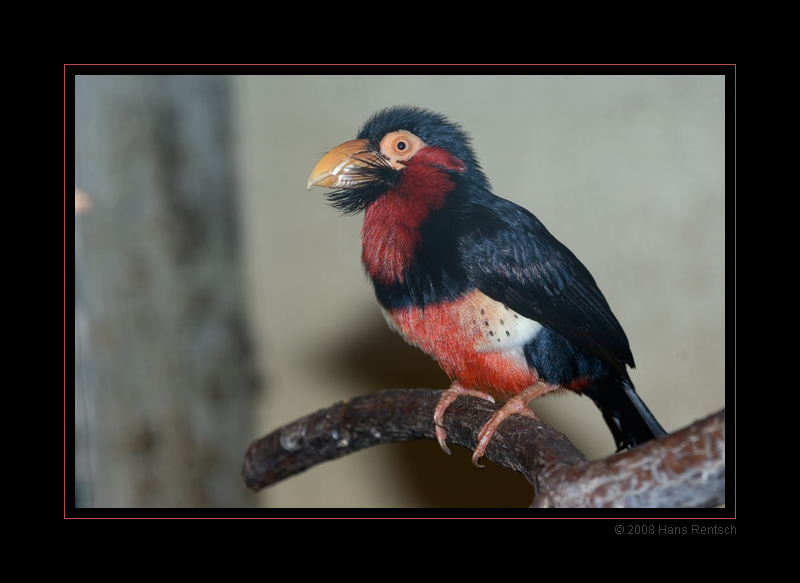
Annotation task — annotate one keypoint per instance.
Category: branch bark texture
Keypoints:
(684, 469)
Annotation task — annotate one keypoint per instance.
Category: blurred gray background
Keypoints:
(217, 298)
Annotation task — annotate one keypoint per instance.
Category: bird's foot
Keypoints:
(447, 398)
(517, 405)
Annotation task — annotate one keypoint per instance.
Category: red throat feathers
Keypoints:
(390, 235)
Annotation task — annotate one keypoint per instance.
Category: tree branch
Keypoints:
(684, 469)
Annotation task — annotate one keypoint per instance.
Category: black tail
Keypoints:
(629, 419)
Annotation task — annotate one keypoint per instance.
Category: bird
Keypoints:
(476, 281)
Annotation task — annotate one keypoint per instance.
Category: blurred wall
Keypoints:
(164, 378)
(627, 171)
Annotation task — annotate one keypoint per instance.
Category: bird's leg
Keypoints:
(448, 396)
(517, 405)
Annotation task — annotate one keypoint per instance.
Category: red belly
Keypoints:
(476, 340)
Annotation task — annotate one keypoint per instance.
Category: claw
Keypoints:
(517, 405)
(447, 398)
(440, 435)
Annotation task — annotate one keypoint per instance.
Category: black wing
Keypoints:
(512, 258)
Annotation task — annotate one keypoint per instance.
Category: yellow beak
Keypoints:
(341, 167)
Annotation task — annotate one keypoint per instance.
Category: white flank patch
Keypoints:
(502, 329)
(493, 326)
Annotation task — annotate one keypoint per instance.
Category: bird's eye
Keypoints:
(400, 146)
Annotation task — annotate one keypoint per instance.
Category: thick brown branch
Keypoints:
(683, 469)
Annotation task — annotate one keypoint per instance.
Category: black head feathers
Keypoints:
(432, 128)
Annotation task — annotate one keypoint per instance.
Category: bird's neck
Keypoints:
(391, 233)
